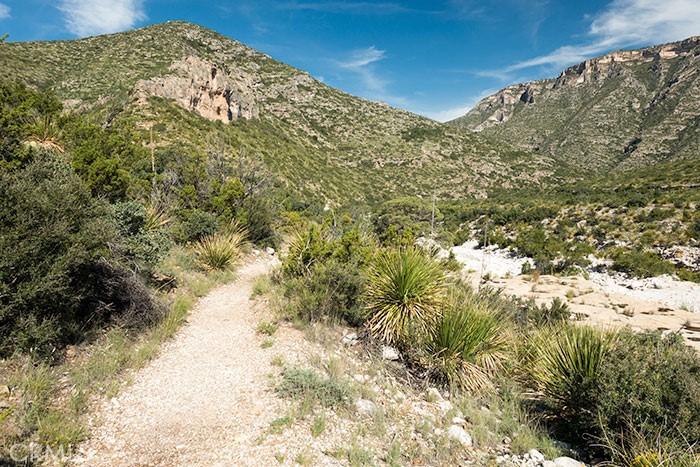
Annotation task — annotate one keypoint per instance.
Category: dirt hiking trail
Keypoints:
(204, 400)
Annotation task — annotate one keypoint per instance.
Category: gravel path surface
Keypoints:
(204, 400)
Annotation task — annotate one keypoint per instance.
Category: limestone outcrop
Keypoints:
(211, 91)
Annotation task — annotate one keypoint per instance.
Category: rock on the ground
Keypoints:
(389, 353)
(567, 462)
(350, 338)
(549, 464)
(366, 407)
(536, 455)
(433, 394)
(458, 433)
(459, 421)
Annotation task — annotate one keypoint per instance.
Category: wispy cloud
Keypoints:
(360, 62)
(4, 11)
(90, 17)
(625, 23)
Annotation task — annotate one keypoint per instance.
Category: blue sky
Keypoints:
(435, 58)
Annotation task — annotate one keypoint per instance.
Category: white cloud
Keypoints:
(4, 11)
(360, 62)
(626, 23)
(91, 17)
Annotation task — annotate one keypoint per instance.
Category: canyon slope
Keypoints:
(199, 92)
(620, 111)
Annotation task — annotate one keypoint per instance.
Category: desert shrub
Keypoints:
(122, 298)
(144, 240)
(52, 233)
(652, 383)
(299, 383)
(195, 225)
(330, 291)
(469, 344)
(667, 447)
(564, 363)
(413, 214)
(404, 294)
(257, 214)
(640, 263)
(530, 315)
(220, 250)
(324, 271)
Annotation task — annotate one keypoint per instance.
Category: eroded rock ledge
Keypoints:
(209, 90)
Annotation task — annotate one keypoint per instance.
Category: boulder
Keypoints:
(458, 434)
(567, 462)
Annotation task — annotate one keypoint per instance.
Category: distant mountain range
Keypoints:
(196, 88)
(622, 110)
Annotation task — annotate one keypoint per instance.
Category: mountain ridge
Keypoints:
(624, 109)
(316, 139)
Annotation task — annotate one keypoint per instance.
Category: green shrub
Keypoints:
(324, 273)
(143, 239)
(52, 234)
(640, 263)
(196, 225)
(469, 344)
(331, 290)
(404, 294)
(652, 383)
(529, 315)
(301, 383)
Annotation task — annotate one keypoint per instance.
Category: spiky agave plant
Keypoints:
(564, 359)
(470, 343)
(220, 250)
(404, 295)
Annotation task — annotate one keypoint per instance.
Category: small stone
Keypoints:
(389, 353)
(437, 431)
(433, 395)
(4, 405)
(361, 378)
(366, 407)
(270, 251)
(4, 390)
(536, 455)
(549, 464)
(458, 434)
(506, 441)
(567, 462)
(350, 338)
(444, 406)
(459, 421)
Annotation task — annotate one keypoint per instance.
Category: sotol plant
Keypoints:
(220, 250)
(404, 294)
(470, 343)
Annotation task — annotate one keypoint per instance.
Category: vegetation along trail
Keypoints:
(204, 400)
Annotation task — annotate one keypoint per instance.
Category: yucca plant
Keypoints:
(470, 343)
(155, 218)
(404, 295)
(220, 250)
(564, 362)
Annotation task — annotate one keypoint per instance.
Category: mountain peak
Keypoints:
(620, 110)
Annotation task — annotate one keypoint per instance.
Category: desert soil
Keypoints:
(206, 400)
(659, 303)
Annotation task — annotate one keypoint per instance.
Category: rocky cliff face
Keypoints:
(620, 110)
(212, 91)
